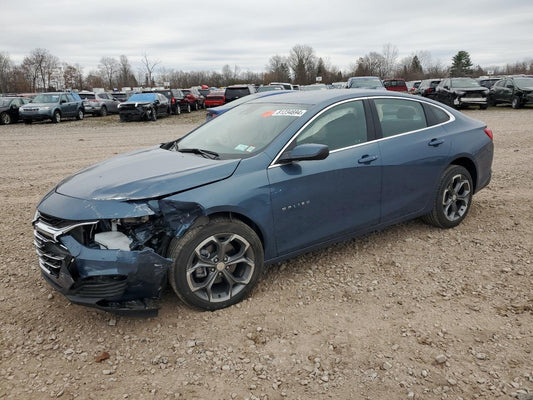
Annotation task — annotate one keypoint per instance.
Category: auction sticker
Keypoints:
(284, 113)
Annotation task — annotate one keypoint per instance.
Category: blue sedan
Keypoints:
(272, 178)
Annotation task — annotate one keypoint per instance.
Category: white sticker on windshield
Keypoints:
(241, 147)
(288, 113)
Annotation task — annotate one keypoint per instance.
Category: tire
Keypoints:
(491, 102)
(196, 107)
(5, 118)
(122, 118)
(178, 110)
(28, 121)
(80, 115)
(515, 102)
(153, 114)
(483, 106)
(169, 111)
(215, 265)
(188, 107)
(56, 118)
(103, 112)
(452, 199)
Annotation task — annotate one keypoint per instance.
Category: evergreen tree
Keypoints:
(461, 64)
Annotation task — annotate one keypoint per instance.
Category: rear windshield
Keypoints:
(234, 93)
(365, 83)
(85, 96)
(464, 83)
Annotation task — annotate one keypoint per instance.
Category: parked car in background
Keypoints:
(204, 91)
(285, 85)
(427, 88)
(216, 111)
(173, 95)
(121, 96)
(461, 92)
(144, 106)
(339, 85)
(395, 85)
(365, 82)
(514, 90)
(412, 86)
(54, 106)
(488, 82)
(9, 109)
(194, 98)
(215, 98)
(262, 183)
(99, 103)
(235, 92)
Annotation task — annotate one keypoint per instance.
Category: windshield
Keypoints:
(5, 102)
(464, 83)
(365, 83)
(524, 82)
(243, 131)
(143, 97)
(46, 98)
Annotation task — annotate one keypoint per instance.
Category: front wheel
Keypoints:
(5, 118)
(153, 114)
(215, 265)
(80, 115)
(515, 102)
(56, 118)
(452, 199)
(103, 112)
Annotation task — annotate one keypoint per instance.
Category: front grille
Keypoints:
(46, 232)
(108, 287)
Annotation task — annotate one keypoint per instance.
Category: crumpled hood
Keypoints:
(145, 174)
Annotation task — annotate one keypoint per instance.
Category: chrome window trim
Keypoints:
(274, 162)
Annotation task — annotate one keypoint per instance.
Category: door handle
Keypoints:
(367, 159)
(435, 142)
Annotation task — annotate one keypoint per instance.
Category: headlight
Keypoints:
(459, 93)
(44, 108)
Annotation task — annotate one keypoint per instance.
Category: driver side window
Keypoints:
(339, 127)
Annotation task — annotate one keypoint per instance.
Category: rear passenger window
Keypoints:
(435, 115)
(398, 116)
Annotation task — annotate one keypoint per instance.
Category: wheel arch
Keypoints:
(470, 166)
(243, 218)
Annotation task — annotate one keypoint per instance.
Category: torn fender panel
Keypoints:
(179, 215)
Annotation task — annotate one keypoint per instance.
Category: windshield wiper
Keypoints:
(205, 153)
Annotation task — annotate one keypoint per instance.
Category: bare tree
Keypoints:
(109, 68)
(149, 67)
(278, 69)
(302, 61)
(6, 67)
(39, 66)
(72, 76)
(125, 73)
(390, 56)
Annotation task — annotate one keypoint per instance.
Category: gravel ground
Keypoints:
(409, 312)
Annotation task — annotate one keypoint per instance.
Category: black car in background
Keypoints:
(461, 92)
(515, 90)
(237, 91)
(174, 96)
(488, 82)
(144, 107)
(427, 88)
(9, 109)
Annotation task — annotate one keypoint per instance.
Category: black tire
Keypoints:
(483, 106)
(56, 117)
(80, 115)
(516, 103)
(153, 114)
(196, 106)
(28, 121)
(169, 111)
(103, 111)
(200, 279)
(452, 200)
(491, 101)
(178, 110)
(5, 118)
(122, 118)
(188, 107)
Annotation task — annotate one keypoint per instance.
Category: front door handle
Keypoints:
(367, 159)
(435, 142)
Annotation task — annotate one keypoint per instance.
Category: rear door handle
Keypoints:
(367, 159)
(435, 142)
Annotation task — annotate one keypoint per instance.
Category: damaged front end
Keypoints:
(117, 264)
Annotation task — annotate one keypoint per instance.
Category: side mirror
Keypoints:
(63, 101)
(510, 87)
(157, 102)
(305, 152)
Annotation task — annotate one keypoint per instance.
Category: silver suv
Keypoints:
(99, 103)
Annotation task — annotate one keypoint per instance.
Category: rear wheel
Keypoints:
(103, 112)
(5, 118)
(80, 115)
(215, 265)
(452, 199)
(515, 102)
(178, 110)
(188, 107)
(196, 107)
(56, 118)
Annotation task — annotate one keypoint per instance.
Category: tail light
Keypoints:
(173, 101)
(488, 132)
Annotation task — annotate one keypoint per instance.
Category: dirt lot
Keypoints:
(410, 312)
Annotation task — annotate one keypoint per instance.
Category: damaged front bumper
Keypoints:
(124, 278)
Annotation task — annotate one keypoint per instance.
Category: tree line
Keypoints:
(42, 71)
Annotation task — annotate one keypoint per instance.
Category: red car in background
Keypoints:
(395, 85)
(215, 98)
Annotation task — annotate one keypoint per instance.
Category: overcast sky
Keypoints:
(207, 34)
